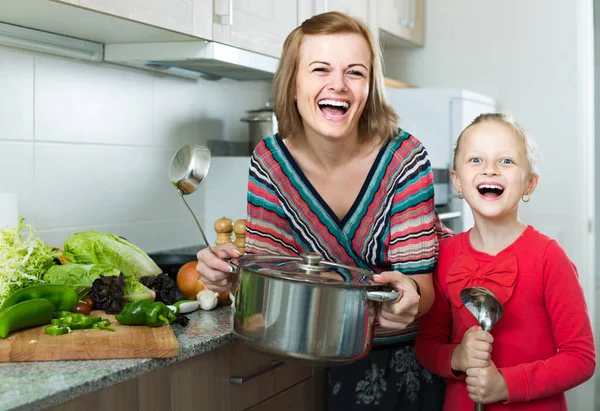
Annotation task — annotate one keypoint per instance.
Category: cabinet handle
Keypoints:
(413, 14)
(401, 6)
(225, 19)
(272, 365)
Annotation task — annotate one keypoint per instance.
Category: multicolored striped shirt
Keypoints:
(390, 226)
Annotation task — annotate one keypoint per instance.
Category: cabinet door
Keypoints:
(356, 8)
(403, 20)
(192, 17)
(256, 25)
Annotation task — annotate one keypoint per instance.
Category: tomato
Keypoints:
(82, 308)
(89, 301)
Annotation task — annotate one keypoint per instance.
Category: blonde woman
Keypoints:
(341, 179)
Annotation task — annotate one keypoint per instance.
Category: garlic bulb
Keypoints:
(207, 299)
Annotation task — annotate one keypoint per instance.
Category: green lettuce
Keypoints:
(77, 275)
(136, 291)
(96, 247)
(24, 259)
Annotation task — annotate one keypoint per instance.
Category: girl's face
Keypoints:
(492, 170)
(332, 83)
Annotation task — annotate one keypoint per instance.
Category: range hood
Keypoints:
(194, 59)
(191, 59)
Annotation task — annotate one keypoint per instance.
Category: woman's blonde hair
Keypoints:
(531, 148)
(378, 118)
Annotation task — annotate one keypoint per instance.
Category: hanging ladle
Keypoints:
(189, 166)
(486, 309)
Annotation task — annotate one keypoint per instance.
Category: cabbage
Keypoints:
(23, 262)
(96, 247)
(77, 275)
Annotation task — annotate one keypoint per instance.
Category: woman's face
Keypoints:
(332, 84)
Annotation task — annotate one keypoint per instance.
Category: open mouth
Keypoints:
(490, 190)
(334, 108)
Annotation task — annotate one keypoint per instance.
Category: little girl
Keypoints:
(543, 344)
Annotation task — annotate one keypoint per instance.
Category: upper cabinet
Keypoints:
(401, 22)
(258, 25)
(191, 17)
(356, 8)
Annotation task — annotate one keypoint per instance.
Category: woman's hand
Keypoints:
(474, 351)
(403, 312)
(214, 272)
(486, 385)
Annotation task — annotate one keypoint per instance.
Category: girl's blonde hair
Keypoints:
(530, 146)
(378, 118)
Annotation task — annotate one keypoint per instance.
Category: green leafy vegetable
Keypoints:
(136, 291)
(77, 275)
(23, 259)
(95, 247)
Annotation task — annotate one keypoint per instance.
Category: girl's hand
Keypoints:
(486, 385)
(214, 272)
(474, 351)
(403, 312)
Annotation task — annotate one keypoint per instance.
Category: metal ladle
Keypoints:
(189, 166)
(486, 309)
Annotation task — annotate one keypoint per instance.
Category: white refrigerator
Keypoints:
(436, 117)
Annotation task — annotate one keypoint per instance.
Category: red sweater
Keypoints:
(543, 344)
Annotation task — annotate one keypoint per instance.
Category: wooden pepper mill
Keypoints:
(239, 228)
(224, 228)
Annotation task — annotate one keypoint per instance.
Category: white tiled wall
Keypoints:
(87, 146)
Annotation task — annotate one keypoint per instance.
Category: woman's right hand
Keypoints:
(474, 351)
(214, 271)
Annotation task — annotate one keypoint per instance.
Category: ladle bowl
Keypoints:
(486, 309)
(188, 168)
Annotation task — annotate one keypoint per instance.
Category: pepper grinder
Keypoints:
(224, 228)
(239, 228)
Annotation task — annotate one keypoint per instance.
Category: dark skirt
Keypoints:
(389, 378)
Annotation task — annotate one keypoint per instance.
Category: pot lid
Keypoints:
(308, 267)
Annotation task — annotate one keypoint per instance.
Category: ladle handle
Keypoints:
(197, 223)
(478, 407)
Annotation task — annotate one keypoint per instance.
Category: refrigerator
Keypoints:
(436, 116)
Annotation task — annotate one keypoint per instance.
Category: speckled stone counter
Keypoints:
(37, 385)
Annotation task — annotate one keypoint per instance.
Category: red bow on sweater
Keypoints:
(499, 276)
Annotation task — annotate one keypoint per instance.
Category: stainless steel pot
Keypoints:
(261, 123)
(302, 308)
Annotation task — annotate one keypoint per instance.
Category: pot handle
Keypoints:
(384, 296)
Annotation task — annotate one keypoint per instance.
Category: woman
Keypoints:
(342, 180)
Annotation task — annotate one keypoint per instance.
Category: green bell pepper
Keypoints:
(146, 312)
(65, 321)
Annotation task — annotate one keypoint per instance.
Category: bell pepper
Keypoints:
(146, 312)
(25, 314)
(62, 297)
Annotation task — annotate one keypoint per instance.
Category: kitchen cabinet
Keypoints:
(258, 25)
(203, 382)
(356, 8)
(401, 22)
(193, 17)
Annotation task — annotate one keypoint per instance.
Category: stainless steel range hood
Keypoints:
(194, 59)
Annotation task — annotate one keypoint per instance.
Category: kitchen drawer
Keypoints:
(202, 383)
(310, 394)
(205, 379)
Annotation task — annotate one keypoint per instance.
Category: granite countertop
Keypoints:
(38, 385)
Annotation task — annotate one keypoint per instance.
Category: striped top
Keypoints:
(390, 226)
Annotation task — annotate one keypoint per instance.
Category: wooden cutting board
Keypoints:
(126, 342)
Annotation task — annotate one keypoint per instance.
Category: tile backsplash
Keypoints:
(87, 146)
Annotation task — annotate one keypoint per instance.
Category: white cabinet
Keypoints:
(193, 17)
(256, 25)
(401, 21)
(356, 8)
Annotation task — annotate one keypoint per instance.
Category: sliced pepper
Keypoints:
(56, 330)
